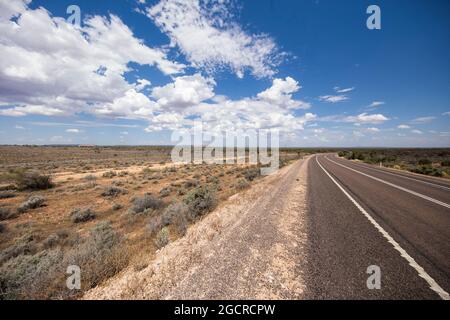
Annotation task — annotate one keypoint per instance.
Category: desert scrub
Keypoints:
(212, 179)
(154, 225)
(32, 180)
(123, 173)
(109, 174)
(82, 215)
(84, 186)
(6, 213)
(165, 192)
(241, 184)
(90, 177)
(32, 202)
(117, 206)
(200, 201)
(146, 202)
(28, 276)
(176, 214)
(113, 191)
(25, 244)
(191, 183)
(42, 275)
(162, 238)
(251, 174)
(7, 195)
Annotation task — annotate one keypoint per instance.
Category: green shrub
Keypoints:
(162, 238)
(445, 163)
(424, 162)
(200, 201)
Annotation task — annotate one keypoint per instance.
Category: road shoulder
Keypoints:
(251, 247)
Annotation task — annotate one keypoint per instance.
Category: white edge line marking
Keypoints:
(422, 273)
(401, 176)
(395, 186)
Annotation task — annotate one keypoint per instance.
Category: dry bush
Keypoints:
(252, 174)
(84, 186)
(7, 195)
(191, 183)
(117, 206)
(26, 244)
(27, 276)
(113, 191)
(154, 225)
(82, 215)
(241, 184)
(6, 213)
(200, 201)
(42, 275)
(32, 180)
(162, 238)
(109, 174)
(148, 201)
(165, 192)
(90, 177)
(32, 202)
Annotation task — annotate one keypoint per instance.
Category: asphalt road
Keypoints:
(359, 216)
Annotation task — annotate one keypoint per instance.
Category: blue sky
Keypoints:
(135, 71)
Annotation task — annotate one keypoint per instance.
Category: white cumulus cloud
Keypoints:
(50, 67)
(206, 34)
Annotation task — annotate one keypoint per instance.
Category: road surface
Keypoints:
(359, 216)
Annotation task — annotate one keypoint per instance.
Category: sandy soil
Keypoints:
(251, 247)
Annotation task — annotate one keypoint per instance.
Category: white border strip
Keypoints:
(395, 186)
(422, 273)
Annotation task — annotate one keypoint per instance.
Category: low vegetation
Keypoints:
(82, 215)
(432, 162)
(32, 202)
(101, 208)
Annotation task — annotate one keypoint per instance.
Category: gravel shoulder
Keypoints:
(251, 247)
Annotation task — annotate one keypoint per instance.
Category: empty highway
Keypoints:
(361, 216)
